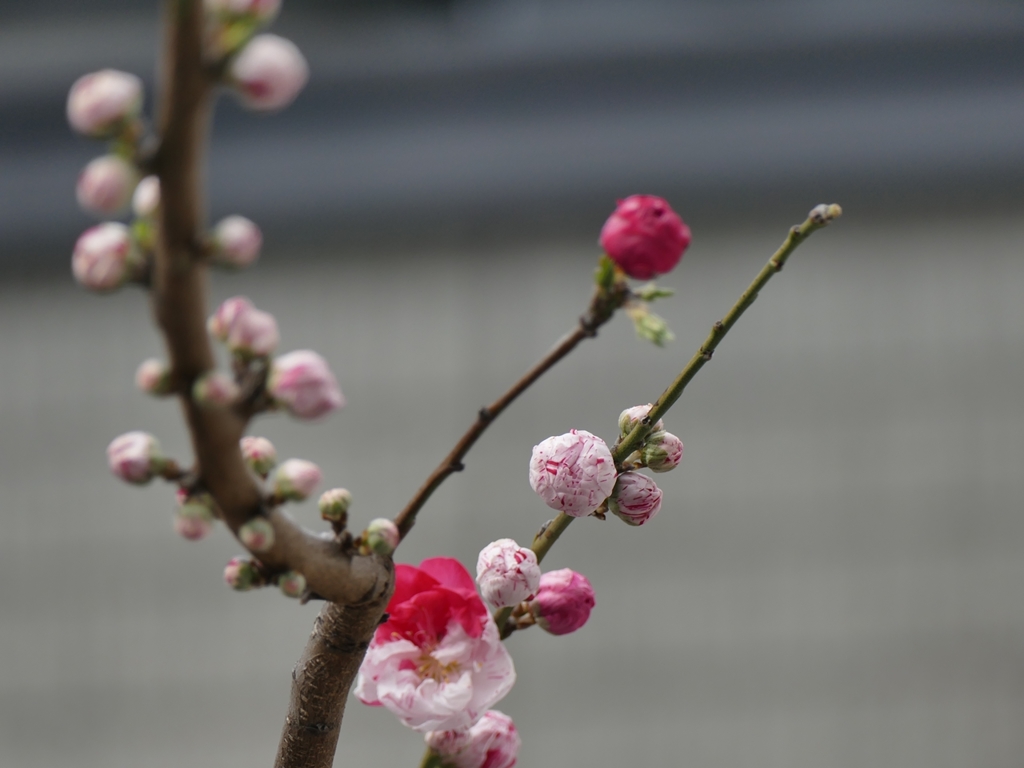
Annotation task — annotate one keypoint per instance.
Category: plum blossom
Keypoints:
(153, 377)
(507, 573)
(563, 602)
(269, 72)
(195, 514)
(630, 417)
(663, 452)
(637, 498)
(334, 504)
(437, 663)
(302, 382)
(381, 536)
(295, 479)
(644, 236)
(106, 184)
(135, 457)
(259, 453)
(215, 389)
(492, 742)
(220, 322)
(146, 198)
(103, 255)
(237, 241)
(572, 473)
(101, 102)
(253, 333)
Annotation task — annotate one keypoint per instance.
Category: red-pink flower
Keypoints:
(573, 473)
(302, 382)
(492, 743)
(636, 500)
(564, 601)
(437, 663)
(645, 236)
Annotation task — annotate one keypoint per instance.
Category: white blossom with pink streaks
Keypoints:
(506, 573)
(637, 498)
(134, 457)
(492, 742)
(102, 259)
(573, 473)
(102, 102)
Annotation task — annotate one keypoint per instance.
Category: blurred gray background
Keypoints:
(837, 575)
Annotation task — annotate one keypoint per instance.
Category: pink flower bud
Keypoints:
(153, 377)
(100, 104)
(215, 389)
(240, 574)
(220, 322)
(644, 236)
(630, 417)
(106, 184)
(573, 473)
(563, 602)
(146, 199)
(292, 583)
(636, 500)
(334, 504)
(257, 534)
(269, 72)
(236, 241)
(491, 742)
(663, 452)
(381, 536)
(259, 454)
(295, 479)
(253, 333)
(302, 383)
(103, 255)
(507, 573)
(135, 457)
(195, 515)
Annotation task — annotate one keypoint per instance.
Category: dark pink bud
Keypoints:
(563, 602)
(644, 236)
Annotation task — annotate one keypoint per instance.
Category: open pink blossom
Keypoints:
(135, 457)
(103, 255)
(101, 103)
(302, 382)
(563, 602)
(637, 498)
(269, 72)
(492, 742)
(644, 236)
(437, 663)
(573, 473)
(106, 184)
(507, 573)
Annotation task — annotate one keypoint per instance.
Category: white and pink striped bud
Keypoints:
(663, 452)
(637, 498)
(103, 257)
(563, 602)
(220, 322)
(153, 377)
(292, 583)
(106, 184)
(630, 417)
(257, 534)
(268, 72)
(295, 479)
(215, 389)
(236, 242)
(253, 333)
(491, 742)
(507, 573)
(101, 104)
(573, 473)
(302, 383)
(135, 457)
(381, 536)
(241, 574)
(194, 517)
(259, 454)
(146, 199)
(334, 504)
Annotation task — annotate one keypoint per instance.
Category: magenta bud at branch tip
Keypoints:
(644, 236)
(220, 322)
(259, 454)
(334, 504)
(146, 199)
(268, 72)
(102, 259)
(563, 602)
(135, 457)
(106, 184)
(240, 574)
(253, 333)
(636, 500)
(295, 479)
(214, 389)
(292, 583)
(507, 573)
(491, 742)
(236, 242)
(381, 536)
(630, 417)
(101, 103)
(194, 517)
(302, 382)
(257, 534)
(153, 377)
(663, 452)
(573, 473)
